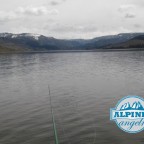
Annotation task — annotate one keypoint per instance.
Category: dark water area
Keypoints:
(84, 86)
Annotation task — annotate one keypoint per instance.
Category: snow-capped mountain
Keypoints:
(10, 35)
(104, 41)
(36, 42)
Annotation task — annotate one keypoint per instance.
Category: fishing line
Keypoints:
(53, 119)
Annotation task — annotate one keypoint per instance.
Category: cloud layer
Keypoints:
(128, 10)
(22, 12)
(72, 18)
(56, 2)
(128, 7)
(130, 15)
(37, 11)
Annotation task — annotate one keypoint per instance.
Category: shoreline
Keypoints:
(74, 51)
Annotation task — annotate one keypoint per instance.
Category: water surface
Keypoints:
(84, 86)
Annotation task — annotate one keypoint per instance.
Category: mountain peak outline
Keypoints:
(26, 42)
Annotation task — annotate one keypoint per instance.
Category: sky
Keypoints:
(72, 19)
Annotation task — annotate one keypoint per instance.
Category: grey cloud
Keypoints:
(56, 2)
(125, 8)
(36, 11)
(7, 16)
(70, 28)
(130, 15)
(128, 10)
(138, 2)
(137, 26)
(24, 12)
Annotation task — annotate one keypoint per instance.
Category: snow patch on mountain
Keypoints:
(9, 35)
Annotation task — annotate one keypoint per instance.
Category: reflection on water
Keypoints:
(84, 86)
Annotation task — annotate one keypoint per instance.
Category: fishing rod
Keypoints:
(53, 119)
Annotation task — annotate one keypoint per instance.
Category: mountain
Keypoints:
(105, 41)
(136, 42)
(134, 106)
(34, 42)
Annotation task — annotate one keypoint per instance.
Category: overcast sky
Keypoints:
(72, 18)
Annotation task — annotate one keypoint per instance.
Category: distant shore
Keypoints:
(69, 51)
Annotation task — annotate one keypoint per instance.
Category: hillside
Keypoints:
(136, 42)
(26, 42)
(9, 47)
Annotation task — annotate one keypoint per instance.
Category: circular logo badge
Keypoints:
(129, 114)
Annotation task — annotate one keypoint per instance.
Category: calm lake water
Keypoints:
(84, 86)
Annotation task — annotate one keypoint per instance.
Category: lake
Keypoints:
(84, 86)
